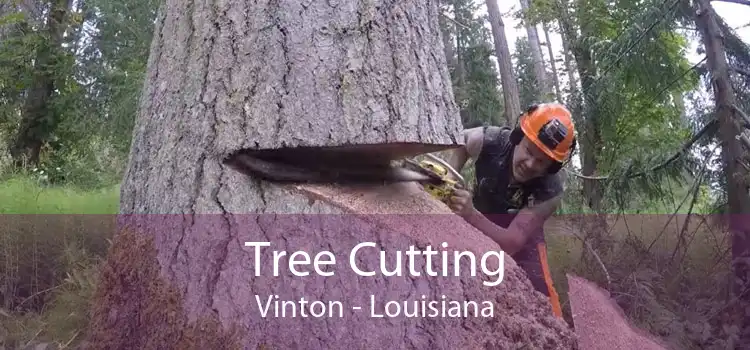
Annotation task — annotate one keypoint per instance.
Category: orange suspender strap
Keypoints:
(553, 297)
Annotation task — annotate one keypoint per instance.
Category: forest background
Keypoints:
(634, 72)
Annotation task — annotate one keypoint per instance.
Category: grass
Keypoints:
(48, 267)
(20, 195)
(50, 245)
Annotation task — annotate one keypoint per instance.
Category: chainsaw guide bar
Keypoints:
(325, 171)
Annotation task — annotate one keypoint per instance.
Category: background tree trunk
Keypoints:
(569, 68)
(738, 201)
(448, 45)
(230, 76)
(590, 139)
(507, 79)
(553, 64)
(37, 117)
(460, 70)
(536, 54)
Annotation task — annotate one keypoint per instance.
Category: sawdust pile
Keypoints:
(601, 323)
(150, 299)
(523, 318)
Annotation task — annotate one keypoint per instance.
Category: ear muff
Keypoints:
(516, 135)
(556, 166)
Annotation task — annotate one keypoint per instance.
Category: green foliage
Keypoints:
(97, 79)
(539, 11)
(483, 104)
(17, 51)
(476, 87)
(29, 195)
(117, 61)
(639, 67)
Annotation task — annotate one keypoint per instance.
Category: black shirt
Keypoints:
(495, 196)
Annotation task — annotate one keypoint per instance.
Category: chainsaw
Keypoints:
(435, 167)
(331, 166)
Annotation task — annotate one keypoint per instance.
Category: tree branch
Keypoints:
(671, 159)
(453, 20)
(745, 140)
(745, 118)
(740, 70)
(746, 124)
(741, 2)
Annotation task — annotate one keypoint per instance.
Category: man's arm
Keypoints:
(526, 223)
(473, 140)
(530, 221)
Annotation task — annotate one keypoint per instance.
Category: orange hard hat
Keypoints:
(550, 127)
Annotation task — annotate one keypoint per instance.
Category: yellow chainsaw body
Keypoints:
(443, 191)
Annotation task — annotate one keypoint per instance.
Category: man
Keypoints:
(518, 187)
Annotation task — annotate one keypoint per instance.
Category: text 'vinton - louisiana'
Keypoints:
(272, 306)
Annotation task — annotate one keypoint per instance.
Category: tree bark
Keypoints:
(508, 80)
(287, 76)
(228, 76)
(732, 152)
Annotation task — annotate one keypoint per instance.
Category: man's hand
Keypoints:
(461, 202)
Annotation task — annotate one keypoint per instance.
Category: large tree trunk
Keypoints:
(507, 79)
(732, 151)
(326, 77)
(228, 76)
